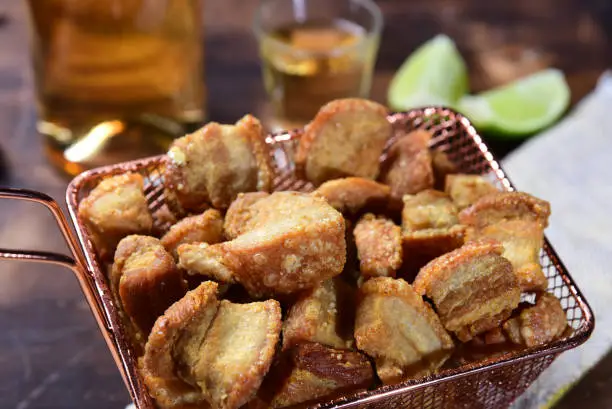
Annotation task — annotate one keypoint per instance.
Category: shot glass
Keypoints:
(315, 51)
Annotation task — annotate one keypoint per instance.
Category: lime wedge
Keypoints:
(434, 74)
(521, 107)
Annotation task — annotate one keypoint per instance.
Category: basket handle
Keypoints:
(76, 263)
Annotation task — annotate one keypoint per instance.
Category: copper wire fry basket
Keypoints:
(491, 383)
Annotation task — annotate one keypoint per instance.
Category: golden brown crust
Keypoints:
(442, 167)
(512, 329)
(352, 195)
(397, 328)
(206, 227)
(429, 228)
(502, 206)
(237, 352)
(324, 314)
(473, 288)
(215, 163)
(261, 150)
(408, 168)
(144, 281)
(296, 241)
(429, 209)
(240, 213)
(185, 172)
(464, 189)
(312, 372)
(442, 268)
(538, 324)
(495, 336)
(207, 260)
(379, 246)
(522, 241)
(419, 248)
(161, 363)
(346, 138)
(517, 220)
(204, 352)
(175, 205)
(114, 209)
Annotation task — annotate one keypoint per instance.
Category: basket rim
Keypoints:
(127, 363)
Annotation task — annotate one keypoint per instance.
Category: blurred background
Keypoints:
(51, 353)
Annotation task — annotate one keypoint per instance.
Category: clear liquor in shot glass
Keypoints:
(315, 51)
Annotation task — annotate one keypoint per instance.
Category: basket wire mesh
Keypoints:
(490, 383)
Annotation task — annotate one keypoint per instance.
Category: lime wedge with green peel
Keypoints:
(434, 74)
(521, 107)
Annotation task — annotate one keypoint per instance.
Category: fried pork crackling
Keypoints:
(294, 242)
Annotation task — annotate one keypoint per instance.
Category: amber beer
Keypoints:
(315, 51)
(115, 79)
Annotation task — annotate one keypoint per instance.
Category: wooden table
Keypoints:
(51, 354)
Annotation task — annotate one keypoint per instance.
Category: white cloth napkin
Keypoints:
(570, 165)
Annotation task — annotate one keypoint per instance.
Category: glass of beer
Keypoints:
(115, 79)
(314, 51)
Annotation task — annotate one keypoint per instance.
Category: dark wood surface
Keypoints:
(51, 354)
